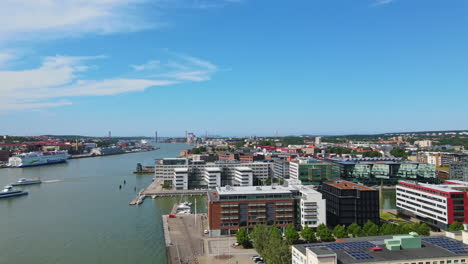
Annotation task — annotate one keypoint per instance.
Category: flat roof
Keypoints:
(243, 168)
(448, 188)
(430, 249)
(346, 185)
(228, 190)
(212, 169)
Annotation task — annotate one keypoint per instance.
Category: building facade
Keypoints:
(281, 169)
(230, 208)
(459, 171)
(311, 172)
(349, 203)
(400, 249)
(201, 174)
(437, 205)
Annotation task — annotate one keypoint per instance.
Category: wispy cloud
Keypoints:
(150, 65)
(59, 18)
(382, 2)
(5, 56)
(58, 79)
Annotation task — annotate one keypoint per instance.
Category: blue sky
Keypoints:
(232, 67)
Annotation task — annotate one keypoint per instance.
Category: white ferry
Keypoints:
(38, 158)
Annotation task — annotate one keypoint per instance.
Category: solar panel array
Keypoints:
(359, 255)
(448, 244)
(350, 248)
(346, 245)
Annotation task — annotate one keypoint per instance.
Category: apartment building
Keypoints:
(223, 173)
(437, 205)
(230, 208)
(280, 168)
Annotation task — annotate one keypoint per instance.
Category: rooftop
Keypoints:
(243, 169)
(212, 169)
(357, 250)
(227, 190)
(346, 185)
(447, 188)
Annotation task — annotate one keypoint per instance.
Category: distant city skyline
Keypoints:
(232, 67)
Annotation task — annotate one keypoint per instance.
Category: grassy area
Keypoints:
(386, 216)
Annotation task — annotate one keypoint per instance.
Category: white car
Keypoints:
(206, 232)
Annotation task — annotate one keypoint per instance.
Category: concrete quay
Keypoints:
(155, 189)
(187, 243)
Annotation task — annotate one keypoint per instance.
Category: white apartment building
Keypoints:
(243, 176)
(213, 177)
(197, 173)
(180, 179)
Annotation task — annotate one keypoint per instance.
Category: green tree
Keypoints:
(268, 181)
(423, 230)
(308, 234)
(326, 235)
(372, 154)
(321, 228)
(399, 152)
(354, 229)
(291, 234)
(404, 228)
(388, 229)
(340, 232)
(370, 229)
(243, 237)
(455, 226)
(260, 236)
(276, 251)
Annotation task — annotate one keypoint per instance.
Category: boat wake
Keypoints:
(52, 181)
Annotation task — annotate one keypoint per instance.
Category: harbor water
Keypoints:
(79, 214)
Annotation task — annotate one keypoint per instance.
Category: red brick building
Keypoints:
(230, 208)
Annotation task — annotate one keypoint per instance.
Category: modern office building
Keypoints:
(202, 174)
(312, 172)
(180, 179)
(399, 249)
(280, 168)
(459, 171)
(230, 208)
(437, 205)
(349, 203)
(385, 170)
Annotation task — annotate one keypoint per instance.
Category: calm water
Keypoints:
(389, 199)
(79, 215)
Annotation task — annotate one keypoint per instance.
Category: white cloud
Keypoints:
(189, 68)
(150, 65)
(59, 78)
(20, 18)
(382, 2)
(5, 57)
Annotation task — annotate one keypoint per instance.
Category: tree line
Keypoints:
(275, 249)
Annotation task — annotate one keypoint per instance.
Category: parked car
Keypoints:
(206, 231)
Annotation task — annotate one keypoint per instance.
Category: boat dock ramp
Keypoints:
(155, 190)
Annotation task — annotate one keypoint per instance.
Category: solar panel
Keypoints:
(359, 255)
(447, 244)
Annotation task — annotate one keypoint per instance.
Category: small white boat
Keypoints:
(27, 182)
(186, 211)
(140, 199)
(8, 191)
